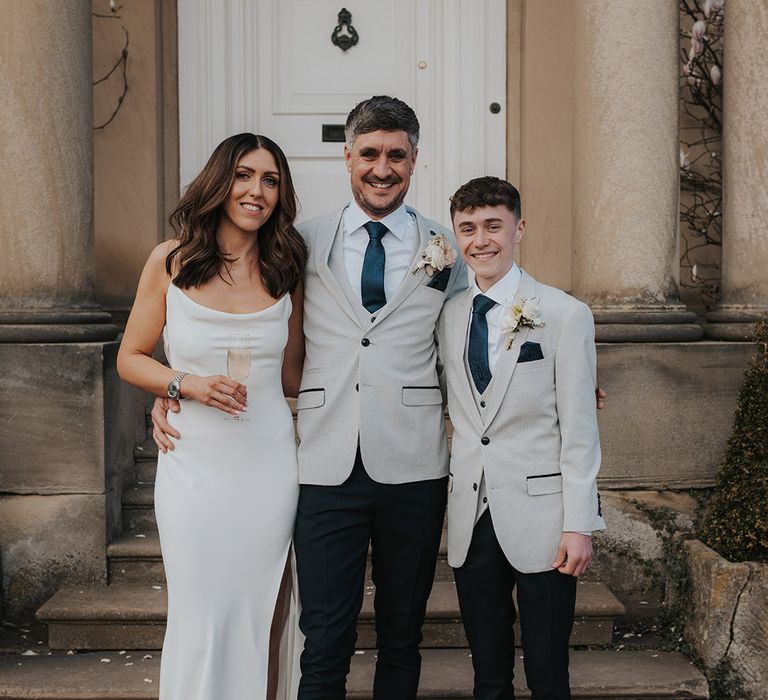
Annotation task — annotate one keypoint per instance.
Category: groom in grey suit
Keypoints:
(373, 459)
(520, 365)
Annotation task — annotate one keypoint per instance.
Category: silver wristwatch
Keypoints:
(174, 386)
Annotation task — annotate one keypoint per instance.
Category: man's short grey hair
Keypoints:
(381, 113)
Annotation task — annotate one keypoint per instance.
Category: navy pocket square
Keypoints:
(530, 352)
(440, 280)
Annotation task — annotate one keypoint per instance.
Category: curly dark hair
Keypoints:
(486, 191)
(197, 258)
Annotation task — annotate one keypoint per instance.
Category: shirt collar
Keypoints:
(504, 291)
(355, 218)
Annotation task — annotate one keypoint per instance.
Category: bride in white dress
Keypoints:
(226, 496)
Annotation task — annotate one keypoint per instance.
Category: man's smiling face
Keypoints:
(380, 165)
(487, 237)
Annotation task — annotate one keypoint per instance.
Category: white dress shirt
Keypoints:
(398, 245)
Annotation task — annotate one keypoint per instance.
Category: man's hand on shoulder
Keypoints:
(162, 432)
(574, 554)
(599, 396)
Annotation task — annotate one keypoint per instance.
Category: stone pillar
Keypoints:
(745, 170)
(64, 451)
(625, 170)
(46, 182)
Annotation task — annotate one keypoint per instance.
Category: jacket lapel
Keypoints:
(459, 328)
(412, 280)
(506, 364)
(332, 231)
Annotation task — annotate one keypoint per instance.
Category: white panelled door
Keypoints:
(270, 66)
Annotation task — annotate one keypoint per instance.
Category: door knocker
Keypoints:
(344, 39)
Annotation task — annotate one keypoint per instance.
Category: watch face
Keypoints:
(173, 389)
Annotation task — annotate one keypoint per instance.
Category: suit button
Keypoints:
(474, 486)
(357, 387)
(373, 318)
(485, 499)
(485, 440)
(482, 404)
(365, 342)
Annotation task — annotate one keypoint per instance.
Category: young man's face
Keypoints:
(487, 237)
(380, 165)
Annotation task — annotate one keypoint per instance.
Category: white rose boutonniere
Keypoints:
(525, 313)
(437, 255)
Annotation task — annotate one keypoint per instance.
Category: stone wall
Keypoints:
(68, 427)
(728, 620)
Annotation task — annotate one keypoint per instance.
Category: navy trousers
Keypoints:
(546, 602)
(334, 527)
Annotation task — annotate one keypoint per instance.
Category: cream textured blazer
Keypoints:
(535, 439)
(371, 376)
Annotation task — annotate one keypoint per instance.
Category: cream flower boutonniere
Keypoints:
(437, 255)
(525, 313)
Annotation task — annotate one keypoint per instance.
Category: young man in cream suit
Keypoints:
(520, 366)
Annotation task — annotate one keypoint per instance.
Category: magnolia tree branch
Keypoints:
(120, 64)
(701, 99)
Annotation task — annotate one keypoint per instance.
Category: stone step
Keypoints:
(125, 616)
(145, 456)
(139, 507)
(134, 557)
(446, 674)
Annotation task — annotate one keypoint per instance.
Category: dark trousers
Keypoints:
(334, 526)
(546, 602)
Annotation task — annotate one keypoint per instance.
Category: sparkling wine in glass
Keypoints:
(239, 361)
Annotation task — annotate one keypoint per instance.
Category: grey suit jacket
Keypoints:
(536, 438)
(371, 376)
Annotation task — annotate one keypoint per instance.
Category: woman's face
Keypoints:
(255, 191)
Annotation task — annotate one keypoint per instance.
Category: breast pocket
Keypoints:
(310, 398)
(422, 396)
(534, 366)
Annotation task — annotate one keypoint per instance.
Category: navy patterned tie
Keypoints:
(477, 353)
(372, 278)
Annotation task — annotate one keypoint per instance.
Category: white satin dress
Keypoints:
(226, 500)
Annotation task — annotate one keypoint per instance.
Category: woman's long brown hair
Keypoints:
(197, 258)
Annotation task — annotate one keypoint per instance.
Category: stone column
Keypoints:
(63, 453)
(46, 181)
(745, 172)
(625, 170)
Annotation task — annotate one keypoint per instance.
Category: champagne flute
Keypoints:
(238, 361)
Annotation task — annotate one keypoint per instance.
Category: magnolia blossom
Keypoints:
(684, 161)
(715, 75)
(697, 47)
(707, 8)
(699, 29)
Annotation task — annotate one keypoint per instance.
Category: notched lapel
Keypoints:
(505, 367)
(323, 250)
(459, 329)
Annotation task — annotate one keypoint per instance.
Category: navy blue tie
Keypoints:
(372, 278)
(477, 353)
